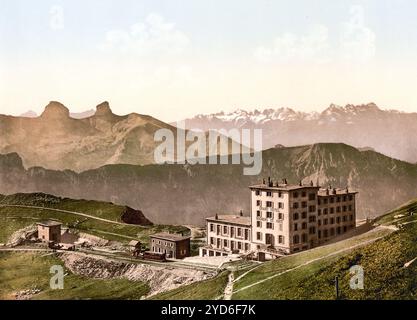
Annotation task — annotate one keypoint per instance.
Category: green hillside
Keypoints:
(16, 276)
(22, 210)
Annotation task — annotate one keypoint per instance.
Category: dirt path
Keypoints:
(307, 263)
(66, 211)
(228, 291)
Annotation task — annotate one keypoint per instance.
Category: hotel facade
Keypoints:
(284, 219)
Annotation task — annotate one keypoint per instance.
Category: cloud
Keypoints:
(310, 47)
(152, 36)
(358, 41)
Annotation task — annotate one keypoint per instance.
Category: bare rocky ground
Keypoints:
(159, 279)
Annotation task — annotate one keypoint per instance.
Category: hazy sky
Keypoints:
(177, 58)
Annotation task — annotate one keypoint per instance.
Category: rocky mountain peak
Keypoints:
(103, 109)
(56, 110)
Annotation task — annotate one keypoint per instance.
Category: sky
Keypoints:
(173, 59)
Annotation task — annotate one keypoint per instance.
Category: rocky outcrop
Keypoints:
(133, 216)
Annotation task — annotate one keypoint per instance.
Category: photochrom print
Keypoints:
(208, 150)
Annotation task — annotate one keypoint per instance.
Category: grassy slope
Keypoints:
(383, 261)
(204, 290)
(16, 276)
(12, 218)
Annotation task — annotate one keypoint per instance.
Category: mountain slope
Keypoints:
(388, 131)
(179, 194)
(55, 140)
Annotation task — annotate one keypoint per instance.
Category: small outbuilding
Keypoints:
(49, 231)
(175, 246)
(135, 247)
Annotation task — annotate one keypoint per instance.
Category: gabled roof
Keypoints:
(169, 236)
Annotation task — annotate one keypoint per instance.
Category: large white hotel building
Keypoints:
(284, 219)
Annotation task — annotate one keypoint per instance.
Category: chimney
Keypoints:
(334, 191)
(241, 213)
(301, 183)
(347, 189)
(327, 192)
(216, 217)
(263, 181)
(311, 183)
(285, 181)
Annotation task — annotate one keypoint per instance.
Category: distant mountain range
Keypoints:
(387, 131)
(185, 194)
(57, 140)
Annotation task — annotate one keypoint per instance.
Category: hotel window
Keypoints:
(325, 233)
(281, 205)
(344, 218)
(332, 231)
(331, 210)
(269, 225)
(319, 223)
(319, 212)
(281, 239)
(295, 205)
(259, 224)
(312, 197)
(258, 236)
(246, 246)
(295, 194)
(269, 215)
(338, 209)
(211, 227)
(295, 226)
(326, 201)
(312, 209)
(258, 203)
(304, 215)
(338, 199)
(350, 207)
(304, 226)
(325, 211)
(269, 204)
(269, 194)
(325, 222)
(304, 204)
(351, 217)
(312, 219)
(225, 230)
(319, 201)
(295, 216)
(280, 216)
(280, 194)
(344, 208)
(239, 245)
(280, 226)
(350, 198)
(225, 243)
(304, 194)
(319, 234)
(344, 198)
(331, 200)
(312, 230)
(296, 239)
(258, 214)
(211, 240)
(304, 238)
(239, 232)
(332, 221)
(258, 193)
